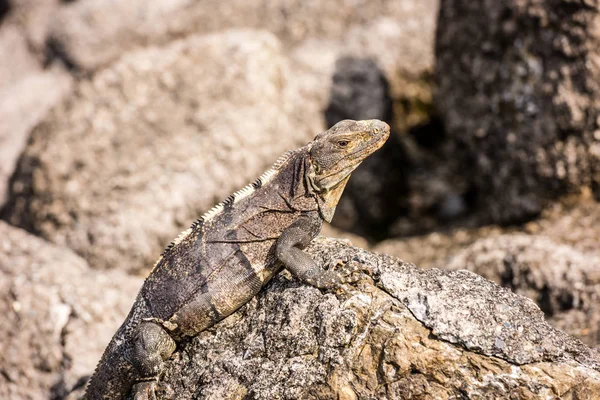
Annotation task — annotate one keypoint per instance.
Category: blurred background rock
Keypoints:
(122, 121)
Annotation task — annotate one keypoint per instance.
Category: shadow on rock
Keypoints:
(411, 185)
(374, 196)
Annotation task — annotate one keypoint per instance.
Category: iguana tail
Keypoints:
(114, 376)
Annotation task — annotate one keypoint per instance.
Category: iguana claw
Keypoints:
(145, 390)
(352, 272)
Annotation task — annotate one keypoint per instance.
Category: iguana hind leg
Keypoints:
(152, 345)
(289, 251)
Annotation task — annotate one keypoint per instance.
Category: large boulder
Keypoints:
(436, 249)
(358, 77)
(555, 263)
(405, 333)
(575, 222)
(372, 197)
(89, 35)
(34, 18)
(145, 146)
(93, 34)
(564, 282)
(27, 92)
(57, 315)
(518, 90)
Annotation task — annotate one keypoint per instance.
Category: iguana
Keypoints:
(231, 252)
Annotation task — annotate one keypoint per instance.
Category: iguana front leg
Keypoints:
(152, 345)
(289, 250)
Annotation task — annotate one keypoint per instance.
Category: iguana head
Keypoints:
(335, 153)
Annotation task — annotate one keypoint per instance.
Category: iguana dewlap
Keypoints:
(230, 253)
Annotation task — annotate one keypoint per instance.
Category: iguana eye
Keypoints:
(376, 130)
(342, 143)
(317, 168)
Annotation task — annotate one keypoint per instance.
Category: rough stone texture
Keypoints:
(13, 47)
(371, 199)
(150, 143)
(93, 34)
(34, 18)
(57, 315)
(564, 282)
(27, 92)
(436, 249)
(575, 222)
(408, 333)
(88, 35)
(518, 91)
(23, 105)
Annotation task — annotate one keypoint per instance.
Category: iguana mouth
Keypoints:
(361, 154)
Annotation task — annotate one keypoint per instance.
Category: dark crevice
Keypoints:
(4, 9)
(429, 135)
(507, 277)
(55, 51)
(373, 197)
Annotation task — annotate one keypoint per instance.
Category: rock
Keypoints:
(13, 47)
(93, 35)
(564, 282)
(4, 8)
(575, 222)
(27, 92)
(434, 250)
(368, 79)
(34, 18)
(518, 92)
(23, 105)
(88, 36)
(57, 315)
(352, 239)
(147, 145)
(407, 333)
(406, 27)
(372, 199)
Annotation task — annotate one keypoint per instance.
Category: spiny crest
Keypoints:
(198, 223)
(168, 248)
(231, 200)
(249, 189)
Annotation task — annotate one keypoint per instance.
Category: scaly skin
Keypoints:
(229, 254)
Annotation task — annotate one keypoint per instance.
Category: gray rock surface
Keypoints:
(93, 35)
(27, 91)
(575, 222)
(89, 35)
(406, 333)
(33, 18)
(147, 145)
(23, 104)
(518, 91)
(436, 249)
(57, 315)
(564, 282)
(13, 46)
(371, 198)
(407, 69)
